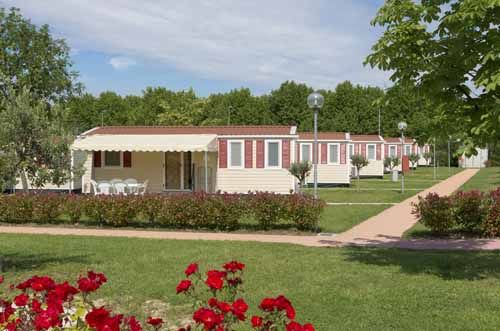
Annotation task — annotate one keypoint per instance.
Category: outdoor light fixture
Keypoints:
(402, 127)
(315, 101)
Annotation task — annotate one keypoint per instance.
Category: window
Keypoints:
(419, 150)
(112, 159)
(273, 154)
(392, 151)
(306, 152)
(370, 149)
(351, 151)
(333, 153)
(407, 150)
(236, 154)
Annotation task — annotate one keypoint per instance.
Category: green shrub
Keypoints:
(149, 206)
(94, 207)
(19, 208)
(73, 207)
(435, 212)
(304, 211)
(469, 210)
(268, 208)
(120, 210)
(491, 224)
(46, 207)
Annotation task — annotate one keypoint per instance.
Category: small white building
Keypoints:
(372, 148)
(333, 164)
(474, 161)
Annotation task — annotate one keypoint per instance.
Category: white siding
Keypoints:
(475, 161)
(331, 174)
(374, 168)
(245, 180)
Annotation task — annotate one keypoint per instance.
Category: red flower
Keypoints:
(65, 291)
(92, 282)
(216, 273)
(283, 303)
(21, 300)
(239, 308)
(47, 318)
(133, 324)
(234, 266)
(155, 321)
(256, 321)
(267, 304)
(214, 282)
(183, 286)
(208, 318)
(293, 326)
(224, 307)
(308, 327)
(191, 269)
(1, 279)
(97, 317)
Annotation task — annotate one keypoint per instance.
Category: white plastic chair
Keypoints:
(132, 185)
(105, 188)
(95, 187)
(120, 188)
(141, 190)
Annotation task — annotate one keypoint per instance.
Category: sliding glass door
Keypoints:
(178, 171)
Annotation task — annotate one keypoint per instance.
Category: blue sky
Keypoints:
(212, 45)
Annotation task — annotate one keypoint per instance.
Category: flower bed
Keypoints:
(193, 210)
(40, 303)
(473, 213)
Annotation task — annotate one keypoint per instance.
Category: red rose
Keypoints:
(216, 273)
(293, 326)
(234, 266)
(183, 286)
(191, 269)
(214, 282)
(97, 317)
(133, 324)
(21, 300)
(65, 291)
(46, 319)
(283, 303)
(224, 306)
(212, 302)
(155, 321)
(209, 318)
(256, 321)
(267, 304)
(1, 279)
(308, 327)
(44, 283)
(239, 308)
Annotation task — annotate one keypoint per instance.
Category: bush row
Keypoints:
(193, 210)
(470, 212)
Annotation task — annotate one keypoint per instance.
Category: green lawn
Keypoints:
(484, 180)
(384, 190)
(336, 289)
(337, 219)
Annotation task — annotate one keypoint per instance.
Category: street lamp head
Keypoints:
(315, 100)
(402, 126)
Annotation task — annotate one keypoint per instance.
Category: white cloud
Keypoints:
(320, 42)
(122, 62)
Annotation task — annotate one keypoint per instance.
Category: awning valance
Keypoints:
(147, 143)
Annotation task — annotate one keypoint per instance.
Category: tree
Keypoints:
(414, 159)
(448, 50)
(34, 141)
(391, 162)
(359, 162)
(29, 56)
(301, 170)
(288, 105)
(7, 171)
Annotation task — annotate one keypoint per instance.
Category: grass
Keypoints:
(384, 190)
(485, 179)
(336, 289)
(337, 219)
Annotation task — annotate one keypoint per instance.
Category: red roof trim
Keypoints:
(219, 130)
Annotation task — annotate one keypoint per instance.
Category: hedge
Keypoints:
(219, 211)
(472, 212)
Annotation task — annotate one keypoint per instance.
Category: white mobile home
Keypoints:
(372, 148)
(474, 161)
(333, 163)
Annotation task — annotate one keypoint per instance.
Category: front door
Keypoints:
(178, 171)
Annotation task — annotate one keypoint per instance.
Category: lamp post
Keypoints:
(315, 101)
(402, 127)
(449, 155)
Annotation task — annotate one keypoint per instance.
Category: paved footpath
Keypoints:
(382, 230)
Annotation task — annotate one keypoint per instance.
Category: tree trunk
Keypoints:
(24, 181)
(358, 180)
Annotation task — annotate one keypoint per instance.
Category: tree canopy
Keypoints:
(448, 50)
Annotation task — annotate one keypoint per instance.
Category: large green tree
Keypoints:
(449, 51)
(33, 142)
(31, 57)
